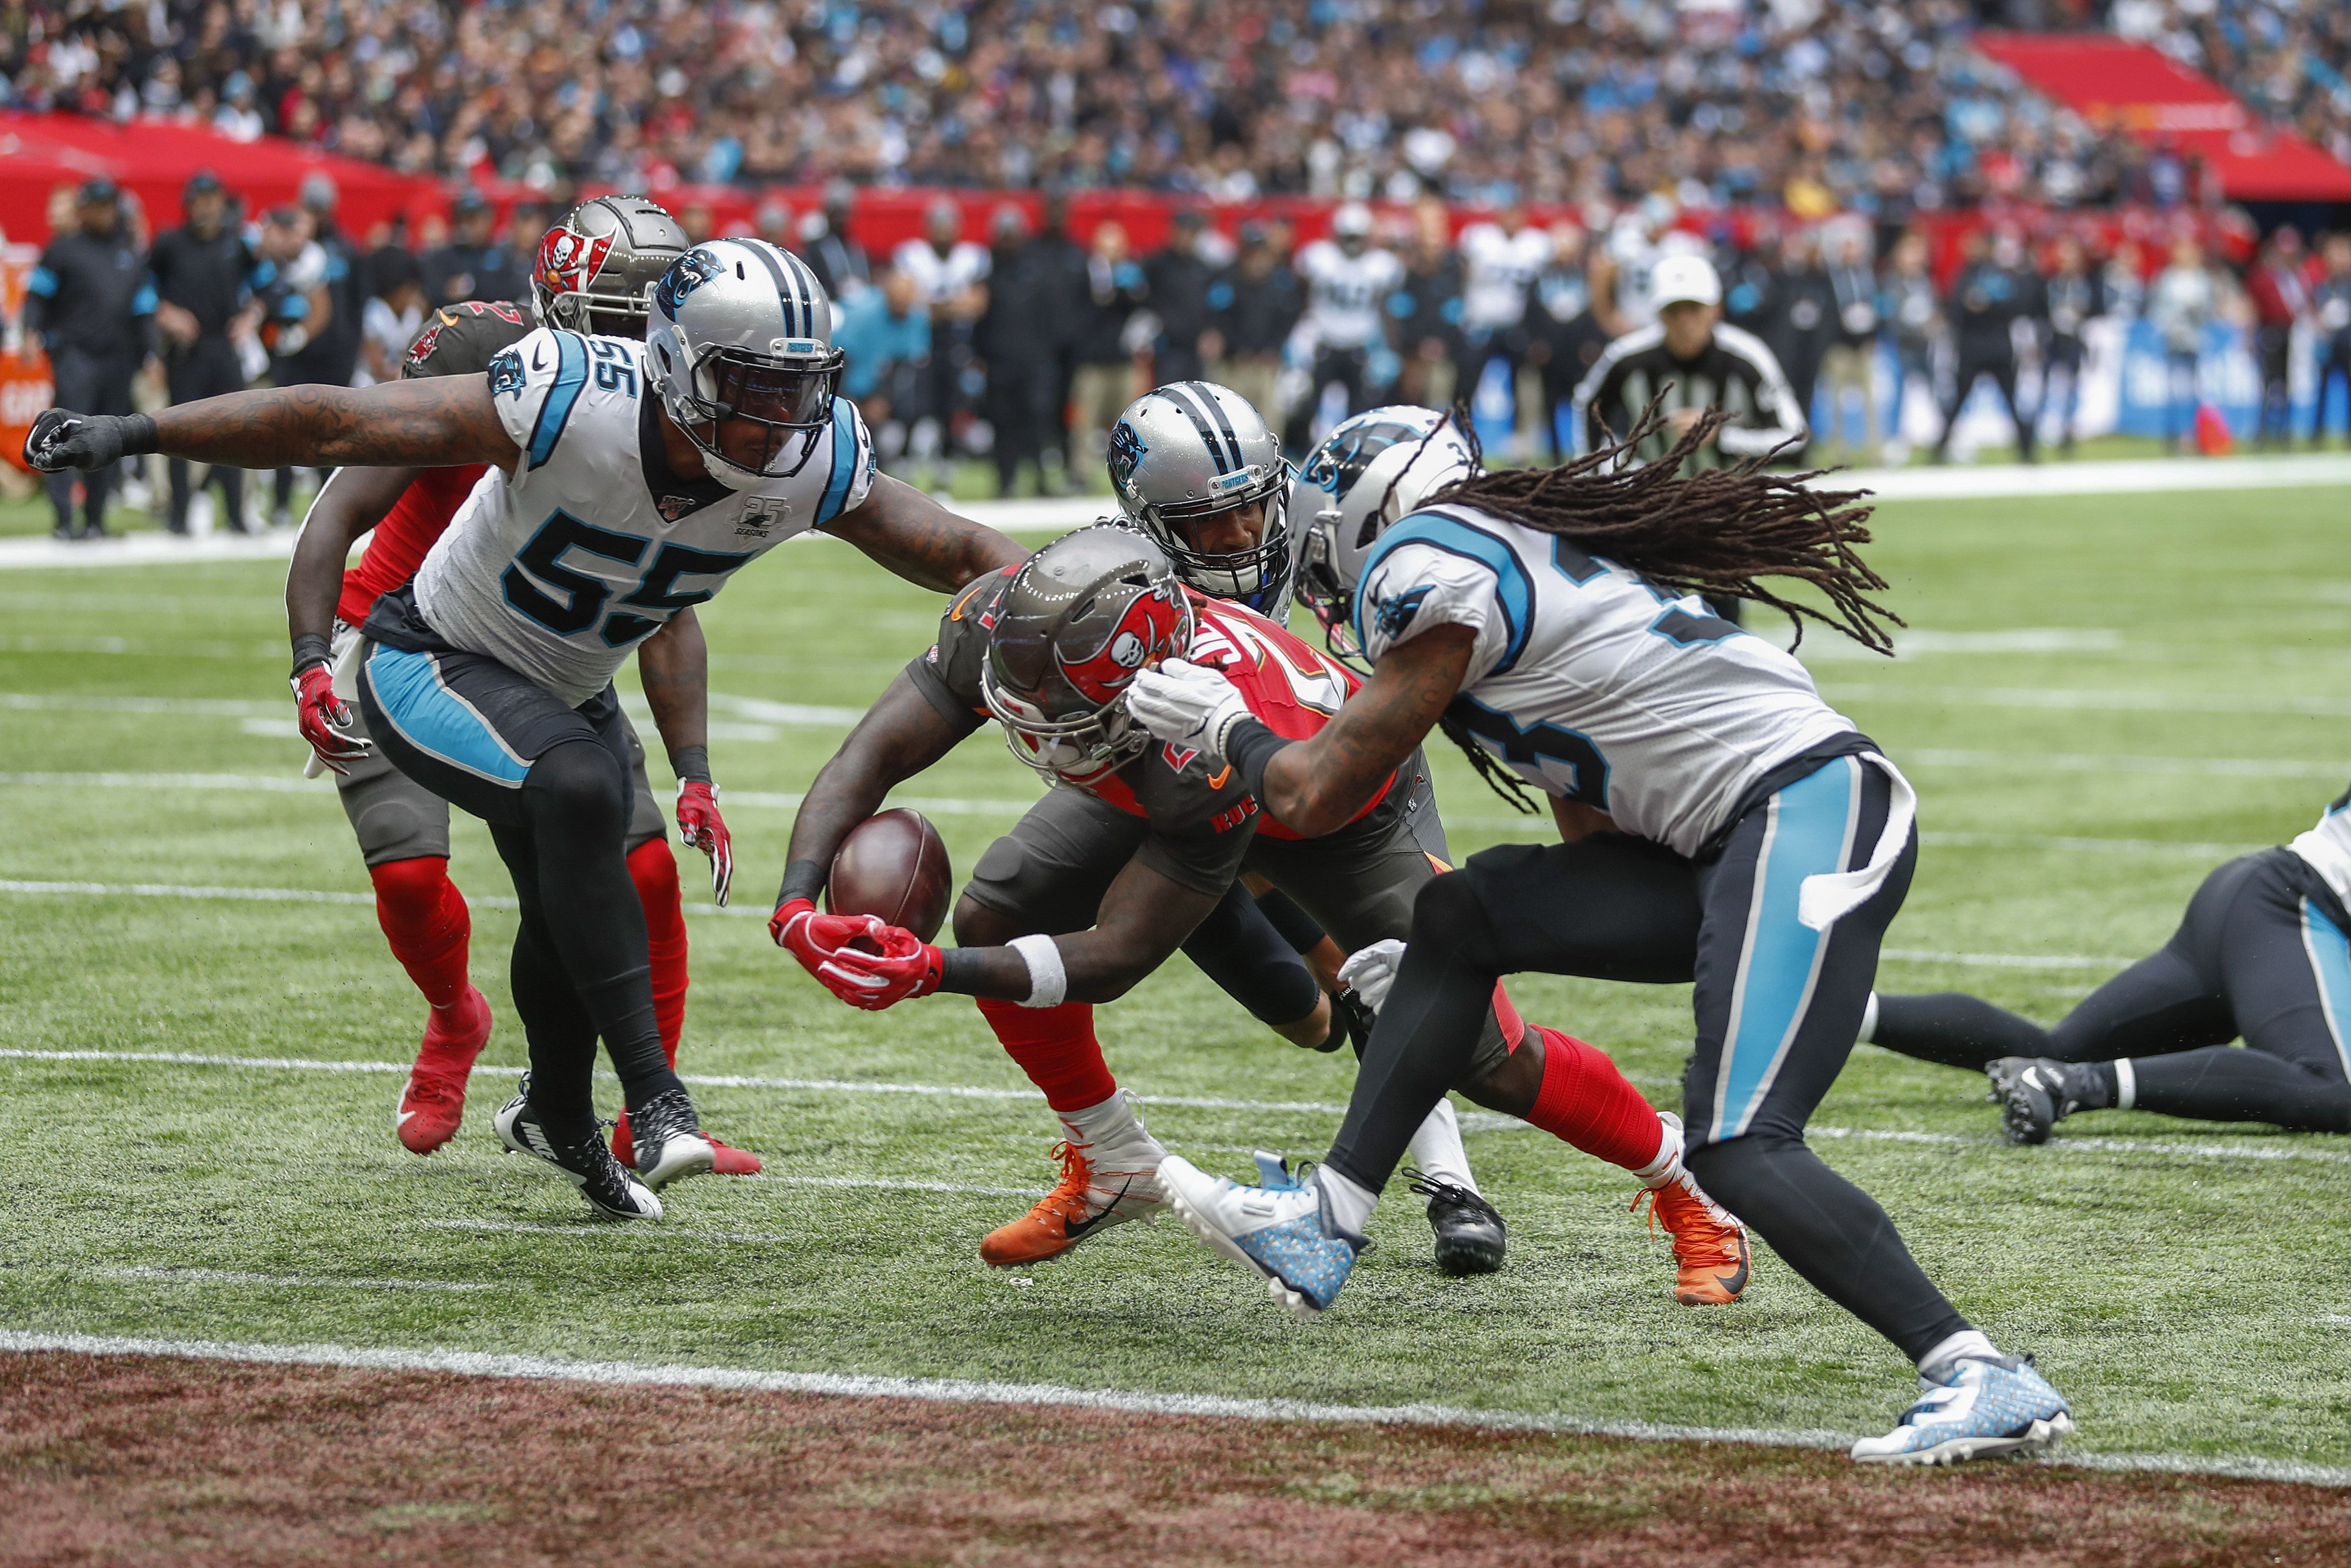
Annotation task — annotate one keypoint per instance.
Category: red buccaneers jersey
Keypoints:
(459, 340)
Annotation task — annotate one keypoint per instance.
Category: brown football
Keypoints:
(893, 865)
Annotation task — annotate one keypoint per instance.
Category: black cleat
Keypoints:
(586, 1163)
(2033, 1094)
(1471, 1236)
(668, 1139)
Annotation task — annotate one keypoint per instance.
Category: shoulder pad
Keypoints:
(460, 339)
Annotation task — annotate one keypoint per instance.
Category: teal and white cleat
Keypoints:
(1282, 1232)
(1985, 1410)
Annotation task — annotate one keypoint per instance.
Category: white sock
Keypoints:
(1350, 1205)
(1868, 1035)
(1112, 1136)
(1968, 1345)
(1668, 1164)
(2125, 1084)
(1437, 1148)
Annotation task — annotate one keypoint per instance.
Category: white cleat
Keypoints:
(1983, 1410)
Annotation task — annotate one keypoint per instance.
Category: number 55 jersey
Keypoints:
(592, 544)
(1591, 684)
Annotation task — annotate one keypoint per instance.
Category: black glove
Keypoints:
(60, 439)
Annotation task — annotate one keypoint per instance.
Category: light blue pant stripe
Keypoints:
(1809, 830)
(436, 720)
(2330, 960)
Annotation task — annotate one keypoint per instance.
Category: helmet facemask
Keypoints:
(1255, 575)
(1064, 710)
(742, 410)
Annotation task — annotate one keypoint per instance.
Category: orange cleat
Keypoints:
(1709, 1244)
(727, 1160)
(433, 1100)
(1084, 1203)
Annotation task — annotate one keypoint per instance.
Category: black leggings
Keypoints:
(2261, 954)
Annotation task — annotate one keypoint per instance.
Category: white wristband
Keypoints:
(1049, 982)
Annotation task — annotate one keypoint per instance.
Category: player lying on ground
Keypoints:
(1750, 839)
(634, 478)
(596, 269)
(2262, 954)
(1119, 863)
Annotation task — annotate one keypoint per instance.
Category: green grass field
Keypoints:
(2102, 698)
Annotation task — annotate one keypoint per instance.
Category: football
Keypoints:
(893, 865)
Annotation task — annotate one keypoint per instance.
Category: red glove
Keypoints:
(907, 966)
(821, 941)
(700, 825)
(325, 719)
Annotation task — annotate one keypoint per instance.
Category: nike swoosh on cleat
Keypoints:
(1080, 1228)
(401, 1120)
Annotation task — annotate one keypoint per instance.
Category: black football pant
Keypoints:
(2260, 955)
(2001, 369)
(1777, 1004)
(206, 367)
(552, 782)
(88, 384)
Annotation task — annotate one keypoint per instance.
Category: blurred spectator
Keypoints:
(773, 223)
(1425, 311)
(2125, 275)
(2330, 312)
(2073, 295)
(332, 357)
(2180, 305)
(394, 316)
(950, 277)
(1257, 302)
(90, 306)
(696, 218)
(473, 265)
(831, 252)
(291, 285)
(885, 333)
(1341, 340)
(1004, 342)
(1914, 314)
(1103, 353)
(203, 273)
(1500, 262)
(1059, 280)
(2279, 286)
(1985, 300)
(1849, 364)
(1803, 321)
(1564, 334)
(1176, 279)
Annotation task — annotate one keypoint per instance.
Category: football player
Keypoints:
(2261, 953)
(634, 479)
(1719, 823)
(1112, 871)
(1342, 336)
(595, 272)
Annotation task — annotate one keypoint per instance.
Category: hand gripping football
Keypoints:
(893, 865)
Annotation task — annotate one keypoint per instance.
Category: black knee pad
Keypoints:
(578, 786)
(1243, 952)
(1450, 917)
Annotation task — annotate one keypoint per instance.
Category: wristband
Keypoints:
(138, 437)
(1250, 748)
(310, 648)
(1048, 981)
(959, 970)
(691, 764)
(802, 879)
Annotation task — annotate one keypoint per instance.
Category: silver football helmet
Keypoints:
(1366, 474)
(597, 269)
(1190, 452)
(740, 347)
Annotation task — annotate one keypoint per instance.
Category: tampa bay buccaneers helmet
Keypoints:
(596, 269)
(1073, 626)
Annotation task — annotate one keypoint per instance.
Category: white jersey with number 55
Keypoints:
(1590, 683)
(592, 544)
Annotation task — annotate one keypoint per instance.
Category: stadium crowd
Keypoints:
(1872, 104)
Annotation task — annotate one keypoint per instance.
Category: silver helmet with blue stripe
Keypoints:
(1369, 471)
(1199, 469)
(739, 345)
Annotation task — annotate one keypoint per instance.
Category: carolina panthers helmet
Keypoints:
(739, 345)
(1073, 626)
(597, 269)
(1366, 474)
(1192, 451)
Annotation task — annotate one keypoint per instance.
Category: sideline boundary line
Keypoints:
(962, 1391)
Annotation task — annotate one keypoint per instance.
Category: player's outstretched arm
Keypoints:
(921, 540)
(432, 422)
(1315, 786)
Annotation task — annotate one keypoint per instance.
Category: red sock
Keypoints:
(655, 871)
(1585, 1101)
(1056, 1048)
(424, 918)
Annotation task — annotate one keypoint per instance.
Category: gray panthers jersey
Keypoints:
(1588, 682)
(589, 548)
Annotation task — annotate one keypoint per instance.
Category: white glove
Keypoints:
(1371, 972)
(1188, 704)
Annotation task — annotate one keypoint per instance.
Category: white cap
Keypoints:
(1351, 218)
(1680, 277)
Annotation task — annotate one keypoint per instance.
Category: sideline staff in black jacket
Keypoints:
(90, 306)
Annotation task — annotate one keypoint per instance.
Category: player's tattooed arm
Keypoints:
(1318, 784)
(351, 504)
(1143, 919)
(673, 664)
(438, 422)
(898, 737)
(921, 540)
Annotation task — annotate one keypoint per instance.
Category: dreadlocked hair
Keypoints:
(1715, 532)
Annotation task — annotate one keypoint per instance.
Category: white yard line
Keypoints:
(961, 1391)
(2152, 701)
(2015, 762)
(287, 1282)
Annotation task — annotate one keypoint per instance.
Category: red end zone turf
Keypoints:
(138, 1460)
